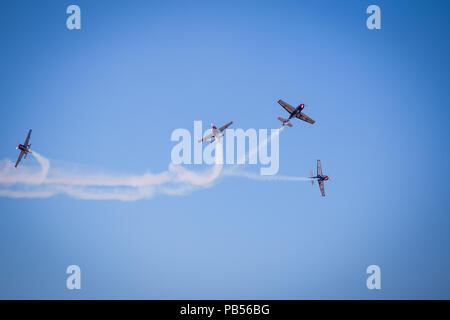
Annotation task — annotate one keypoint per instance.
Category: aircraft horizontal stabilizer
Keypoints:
(284, 122)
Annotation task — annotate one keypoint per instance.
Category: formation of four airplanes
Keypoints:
(217, 133)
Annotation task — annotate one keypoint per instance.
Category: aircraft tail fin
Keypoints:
(284, 122)
(312, 180)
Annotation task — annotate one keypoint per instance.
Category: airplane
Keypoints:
(215, 133)
(24, 149)
(294, 112)
(320, 178)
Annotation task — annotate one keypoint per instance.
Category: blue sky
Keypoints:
(107, 97)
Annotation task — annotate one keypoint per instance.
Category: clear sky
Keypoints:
(106, 98)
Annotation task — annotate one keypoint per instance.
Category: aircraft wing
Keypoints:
(225, 126)
(287, 106)
(28, 138)
(319, 168)
(322, 188)
(20, 158)
(206, 137)
(304, 117)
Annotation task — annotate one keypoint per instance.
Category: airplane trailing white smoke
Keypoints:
(31, 182)
(45, 182)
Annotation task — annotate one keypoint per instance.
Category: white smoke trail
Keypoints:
(45, 183)
(10, 174)
(108, 194)
(26, 194)
(200, 179)
(147, 179)
(237, 172)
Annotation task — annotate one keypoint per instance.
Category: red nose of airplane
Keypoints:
(214, 127)
(326, 177)
(301, 105)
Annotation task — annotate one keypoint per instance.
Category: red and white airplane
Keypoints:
(215, 133)
(320, 178)
(294, 112)
(24, 149)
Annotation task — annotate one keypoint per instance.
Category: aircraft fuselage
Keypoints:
(23, 148)
(297, 111)
(216, 133)
(320, 177)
